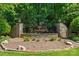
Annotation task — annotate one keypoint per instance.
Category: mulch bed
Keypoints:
(38, 46)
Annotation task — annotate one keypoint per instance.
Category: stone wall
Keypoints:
(17, 30)
(62, 30)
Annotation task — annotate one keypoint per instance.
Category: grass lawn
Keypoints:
(70, 52)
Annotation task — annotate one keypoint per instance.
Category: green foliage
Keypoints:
(26, 38)
(53, 38)
(74, 25)
(3, 38)
(4, 26)
(8, 11)
(74, 37)
(33, 14)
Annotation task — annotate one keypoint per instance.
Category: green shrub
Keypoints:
(26, 38)
(74, 25)
(74, 37)
(4, 26)
(52, 39)
(3, 38)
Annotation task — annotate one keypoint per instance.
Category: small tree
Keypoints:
(74, 25)
(4, 26)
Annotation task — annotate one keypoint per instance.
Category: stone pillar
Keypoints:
(17, 30)
(62, 30)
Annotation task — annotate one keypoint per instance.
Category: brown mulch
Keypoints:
(37, 46)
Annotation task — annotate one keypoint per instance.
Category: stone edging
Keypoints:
(6, 49)
(10, 49)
